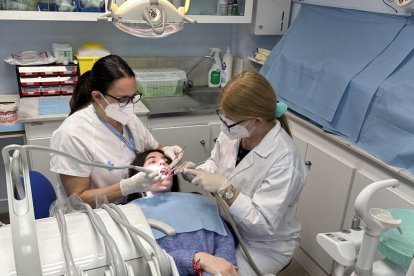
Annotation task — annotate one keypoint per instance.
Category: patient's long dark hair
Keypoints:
(139, 161)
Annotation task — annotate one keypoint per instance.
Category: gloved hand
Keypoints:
(208, 181)
(140, 182)
(181, 168)
(175, 153)
(206, 167)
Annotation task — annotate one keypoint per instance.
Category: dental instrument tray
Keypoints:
(160, 82)
(46, 80)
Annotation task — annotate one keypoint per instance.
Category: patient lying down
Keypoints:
(203, 243)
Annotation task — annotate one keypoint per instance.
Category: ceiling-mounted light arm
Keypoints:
(109, 5)
(152, 15)
(184, 9)
(108, 13)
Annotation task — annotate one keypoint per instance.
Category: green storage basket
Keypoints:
(160, 82)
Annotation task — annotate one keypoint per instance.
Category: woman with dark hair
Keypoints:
(103, 128)
(203, 244)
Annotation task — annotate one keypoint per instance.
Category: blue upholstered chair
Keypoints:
(43, 194)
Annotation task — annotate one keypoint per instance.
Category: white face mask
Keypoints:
(236, 132)
(121, 114)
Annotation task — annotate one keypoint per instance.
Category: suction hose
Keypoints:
(225, 208)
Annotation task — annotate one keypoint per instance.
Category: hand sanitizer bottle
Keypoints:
(214, 74)
(226, 68)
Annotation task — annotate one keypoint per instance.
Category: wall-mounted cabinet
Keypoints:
(270, 17)
(204, 11)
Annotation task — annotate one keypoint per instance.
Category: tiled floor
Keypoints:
(294, 269)
(4, 217)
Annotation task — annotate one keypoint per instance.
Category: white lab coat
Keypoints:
(269, 179)
(84, 136)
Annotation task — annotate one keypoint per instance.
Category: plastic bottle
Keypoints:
(222, 7)
(235, 8)
(214, 74)
(226, 68)
(229, 6)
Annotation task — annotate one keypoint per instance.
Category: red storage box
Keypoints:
(31, 91)
(50, 90)
(47, 80)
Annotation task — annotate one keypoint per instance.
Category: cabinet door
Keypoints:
(205, 11)
(270, 17)
(301, 144)
(195, 138)
(215, 129)
(323, 200)
(40, 160)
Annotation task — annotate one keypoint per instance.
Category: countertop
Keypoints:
(29, 110)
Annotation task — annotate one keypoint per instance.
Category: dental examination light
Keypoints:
(112, 240)
(148, 18)
(408, 5)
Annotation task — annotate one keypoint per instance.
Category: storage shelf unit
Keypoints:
(49, 16)
(46, 80)
(93, 16)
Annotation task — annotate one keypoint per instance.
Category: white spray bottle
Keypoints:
(226, 68)
(214, 74)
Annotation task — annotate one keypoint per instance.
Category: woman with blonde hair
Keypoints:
(257, 169)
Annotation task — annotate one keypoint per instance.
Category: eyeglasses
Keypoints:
(123, 101)
(219, 114)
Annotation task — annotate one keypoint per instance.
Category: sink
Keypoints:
(199, 100)
(205, 95)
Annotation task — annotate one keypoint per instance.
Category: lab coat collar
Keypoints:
(267, 145)
(264, 149)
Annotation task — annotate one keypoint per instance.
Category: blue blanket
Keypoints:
(186, 212)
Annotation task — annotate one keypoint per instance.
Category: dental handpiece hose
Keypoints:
(64, 154)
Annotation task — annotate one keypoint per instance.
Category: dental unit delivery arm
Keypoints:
(160, 256)
(24, 235)
(93, 164)
(25, 246)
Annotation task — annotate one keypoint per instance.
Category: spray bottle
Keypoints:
(214, 74)
(226, 68)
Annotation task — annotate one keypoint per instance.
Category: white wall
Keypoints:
(194, 40)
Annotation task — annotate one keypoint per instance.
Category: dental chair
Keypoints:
(111, 240)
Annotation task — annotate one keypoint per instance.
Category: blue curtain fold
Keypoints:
(351, 72)
(388, 130)
(325, 48)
